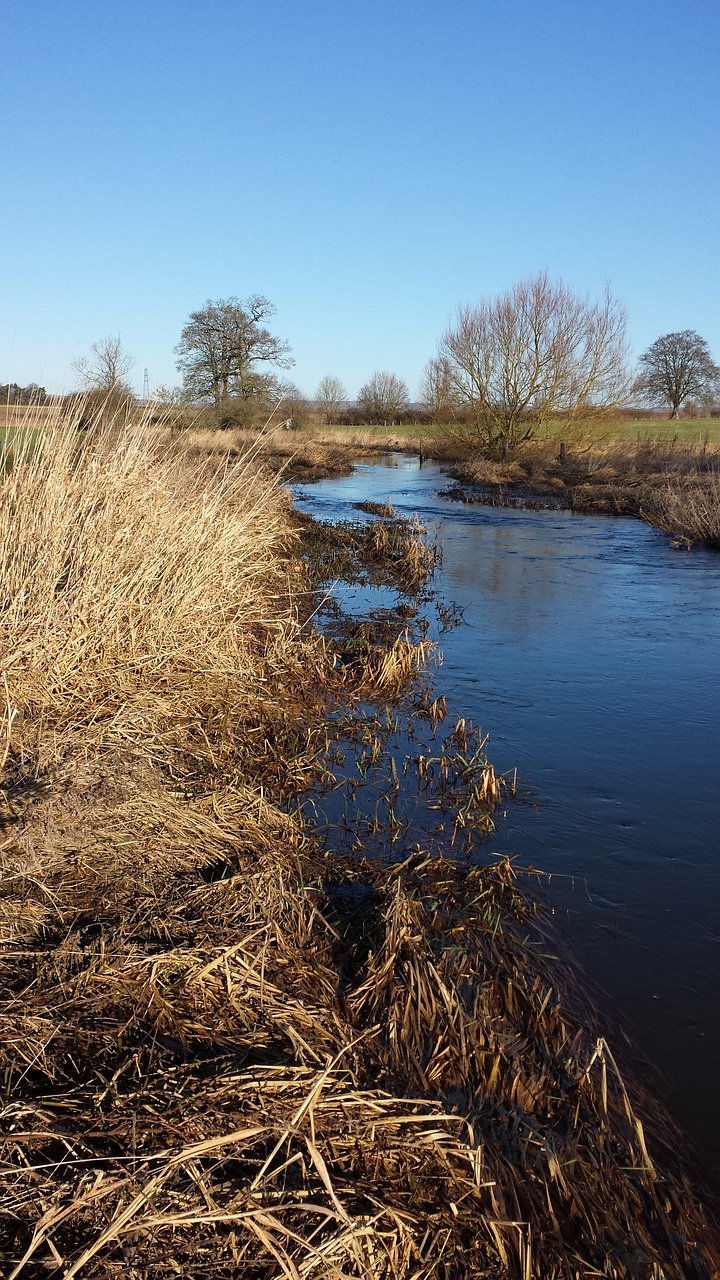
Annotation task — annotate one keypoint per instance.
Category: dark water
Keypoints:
(589, 651)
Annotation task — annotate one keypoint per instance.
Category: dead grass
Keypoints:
(393, 551)
(310, 454)
(671, 483)
(193, 1086)
(139, 587)
(211, 1062)
(688, 508)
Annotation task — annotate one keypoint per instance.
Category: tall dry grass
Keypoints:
(214, 1059)
(138, 588)
(689, 511)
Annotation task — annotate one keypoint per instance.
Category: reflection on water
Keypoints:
(589, 652)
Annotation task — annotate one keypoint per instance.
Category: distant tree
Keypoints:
(33, 393)
(106, 368)
(438, 394)
(13, 393)
(533, 353)
(291, 406)
(225, 348)
(675, 368)
(383, 397)
(168, 397)
(331, 396)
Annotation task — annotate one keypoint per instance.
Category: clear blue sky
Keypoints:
(366, 165)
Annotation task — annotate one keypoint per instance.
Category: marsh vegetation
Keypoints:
(228, 1045)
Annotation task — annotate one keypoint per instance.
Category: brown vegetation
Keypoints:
(314, 453)
(674, 485)
(223, 1051)
(687, 506)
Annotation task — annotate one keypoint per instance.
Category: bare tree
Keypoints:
(168, 397)
(107, 367)
(674, 368)
(382, 397)
(331, 396)
(438, 394)
(224, 348)
(291, 407)
(533, 353)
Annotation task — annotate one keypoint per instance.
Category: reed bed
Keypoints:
(673, 484)
(688, 508)
(139, 589)
(225, 1049)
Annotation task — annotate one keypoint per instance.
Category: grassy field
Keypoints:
(641, 430)
(682, 430)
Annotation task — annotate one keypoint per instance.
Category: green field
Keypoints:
(684, 430)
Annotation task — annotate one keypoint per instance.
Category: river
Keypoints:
(589, 652)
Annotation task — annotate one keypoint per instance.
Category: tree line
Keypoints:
(504, 367)
(13, 393)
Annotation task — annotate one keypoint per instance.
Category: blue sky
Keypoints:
(367, 166)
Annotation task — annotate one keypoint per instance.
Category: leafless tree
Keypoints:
(106, 368)
(438, 393)
(168, 397)
(533, 353)
(382, 397)
(291, 406)
(331, 396)
(675, 368)
(224, 348)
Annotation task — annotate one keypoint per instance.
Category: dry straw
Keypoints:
(138, 586)
(210, 1065)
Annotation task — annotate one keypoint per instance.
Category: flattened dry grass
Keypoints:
(295, 455)
(312, 453)
(389, 551)
(213, 1068)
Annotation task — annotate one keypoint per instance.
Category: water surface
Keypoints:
(589, 652)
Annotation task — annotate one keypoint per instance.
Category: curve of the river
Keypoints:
(589, 651)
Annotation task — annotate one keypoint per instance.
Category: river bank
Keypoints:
(672, 483)
(228, 1046)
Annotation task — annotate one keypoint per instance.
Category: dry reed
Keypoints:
(214, 1063)
(138, 586)
(672, 484)
(688, 508)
